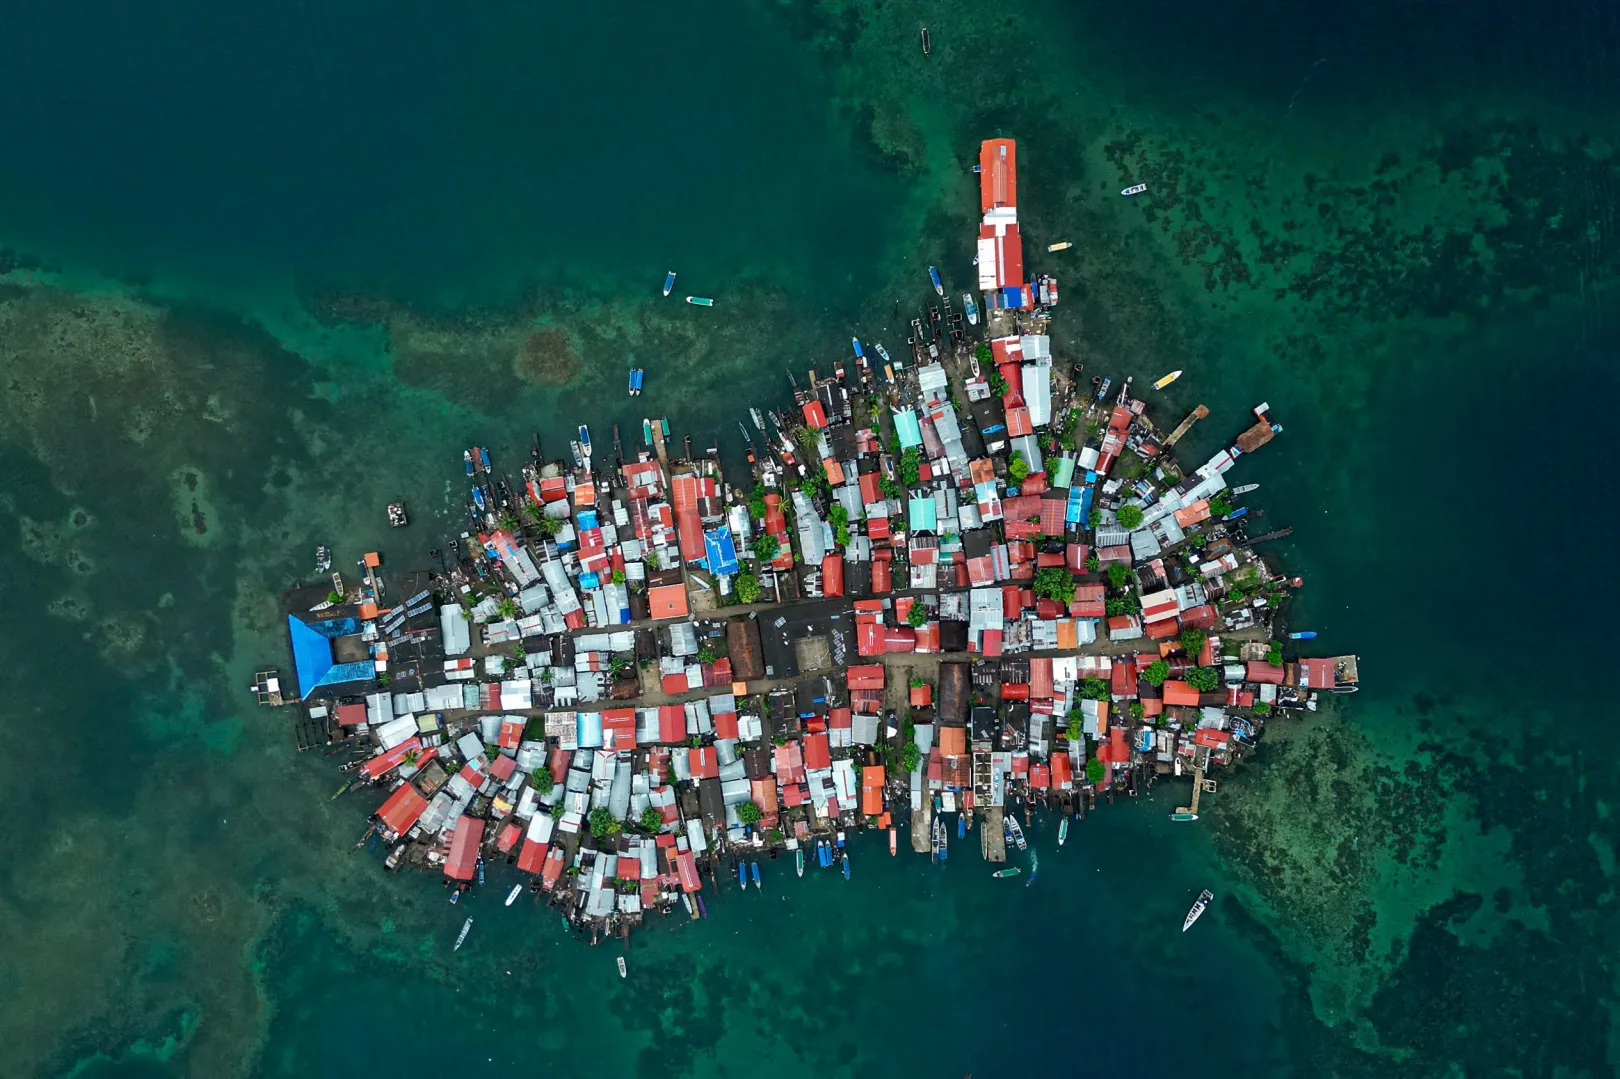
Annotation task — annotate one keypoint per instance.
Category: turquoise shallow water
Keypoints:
(1416, 281)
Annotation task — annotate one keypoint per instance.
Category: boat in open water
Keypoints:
(933, 275)
(1166, 380)
(1010, 871)
(856, 341)
(753, 871)
(636, 374)
(1303, 635)
(742, 875)
(1134, 189)
(894, 841)
(970, 309)
(882, 352)
(669, 282)
(461, 938)
(511, 897)
(798, 861)
(700, 301)
(1060, 246)
(1205, 898)
(846, 865)
(623, 970)
(1183, 815)
(927, 42)
(1063, 830)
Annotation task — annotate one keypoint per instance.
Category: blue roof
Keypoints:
(720, 552)
(923, 515)
(312, 653)
(905, 426)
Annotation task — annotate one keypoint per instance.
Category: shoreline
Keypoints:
(992, 587)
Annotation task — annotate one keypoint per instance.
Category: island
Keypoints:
(955, 585)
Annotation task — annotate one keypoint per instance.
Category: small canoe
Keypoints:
(483, 457)
(798, 861)
(1166, 380)
(927, 42)
(1064, 246)
(742, 875)
(1010, 871)
(701, 301)
(461, 938)
(669, 282)
(623, 971)
(1134, 189)
(466, 457)
(846, 866)
(753, 871)
(894, 842)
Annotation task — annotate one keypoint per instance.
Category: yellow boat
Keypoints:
(1166, 380)
(1064, 246)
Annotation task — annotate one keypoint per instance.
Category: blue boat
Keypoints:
(669, 282)
(483, 455)
(742, 875)
(480, 871)
(478, 496)
(585, 438)
(753, 870)
(933, 275)
(1303, 635)
(1241, 511)
(824, 853)
(961, 826)
(840, 835)
(846, 865)
(466, 459)
(856, 341)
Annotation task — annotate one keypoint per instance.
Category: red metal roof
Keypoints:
(532, 856)
(1178, 693)
(668, 601)
(689, 526)
(882, 575)
(817, 754)
(672, 724)
(872, 790)
(462, 861)
(402, 809)
(553, 869)
(832, 575)
(1263, 672)
(813, 415)
(866, 676)
(998, 173)
(619, 728)
(1209, 736)
(389, 759)
(351, 715)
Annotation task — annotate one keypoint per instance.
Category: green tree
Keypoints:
(917, 615)
(1073, 730)
(1119, 574)
(603, 823)
(533, 512)
(837, 515)
(651, 820)
(984, 353)
(548, 526)
(507, 607)
(1138, 710)
(509, 521)
(557, 810)
(747, 588)
(1156, 672)
(1192, 642)
(1203, 679)
(1094, 689)
(1274, 654)
(1094, 518)
(750, 813)
(998, 385)
(705, 654)
(766, 546)
(540, 779)
(1262, 708)
(1130, 516)
(518, 652)
(1095, 770)
(910, 757)
(334, 597)
(891, 487)
(617, 576)
(1220, 505)
(841, 536)
(1093, 563)
(756, 508)
(910, 466)
(1055, 582)
(1017, 467)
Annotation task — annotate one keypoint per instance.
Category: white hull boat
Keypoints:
(1205, 898)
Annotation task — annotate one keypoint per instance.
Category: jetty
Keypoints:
(955, 586)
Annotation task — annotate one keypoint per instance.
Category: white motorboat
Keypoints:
(466, 927)
(511, 897)
(1205, 898)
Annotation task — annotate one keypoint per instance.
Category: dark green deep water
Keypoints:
(267, 266)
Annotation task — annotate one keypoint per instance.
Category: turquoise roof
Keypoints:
(923, 517)
(905, 425)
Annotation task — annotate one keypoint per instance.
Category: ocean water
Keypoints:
(267, 266)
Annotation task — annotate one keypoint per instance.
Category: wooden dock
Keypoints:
(1184, 426)
(993, 836)
(922, 828)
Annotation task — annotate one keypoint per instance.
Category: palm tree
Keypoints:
(509, 522)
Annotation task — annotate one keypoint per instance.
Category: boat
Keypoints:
(846, 865)
(1205, 898)
(744, 429)
(511, 897)
(856, 341)
(703, 908)
(1102, 389)
(753, 871)
(1017, 833)
(759, 421)
(1063, 831)
(798, 861)
(927, 42)
(669, 282)
(623, 971)
(323, 560)
(1183, 815)
(1062, 245)
(691, 908)
(742, 875)
(480, 871)
(1241, 511)
(1010, 871)
(1246, 488)
(961, 826)
(894, 841)
(466, 459)
(883, 353)
(1303, 635)
(478, 497)
(455, 896)
(970, 309)
(635, 381)
(585, 440)
(1134, 189)
(840, 836)
(461, 938)
(933, 275)
(1166, 380)
(646, 430)
(701, 301)
(579, 457)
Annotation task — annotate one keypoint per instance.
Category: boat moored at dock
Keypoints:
(933, 275)
(970, 309)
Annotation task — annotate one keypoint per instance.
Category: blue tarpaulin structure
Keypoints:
(720, 552)
(312, 653)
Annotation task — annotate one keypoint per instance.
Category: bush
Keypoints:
(1129, 516)
(540, 779)
(756, 508)
(1017, 467)
(334, 597)
(1093, 563)
(705, 654)
(983, 353)
(998, 385)
(1073, 731)
(910, 466)
(1119, 574)
(750, 813)
(917, 615)
(1094, 689)
(1138, 710)
(747, 588)
(1095, 770)
(602, 823)
(1055, 582)
(891, 487)
(1203, 679)
(651, 819)
(837, 515)
(1274, 654)
(1156, 672)
(1262, 708)
(766, 546)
